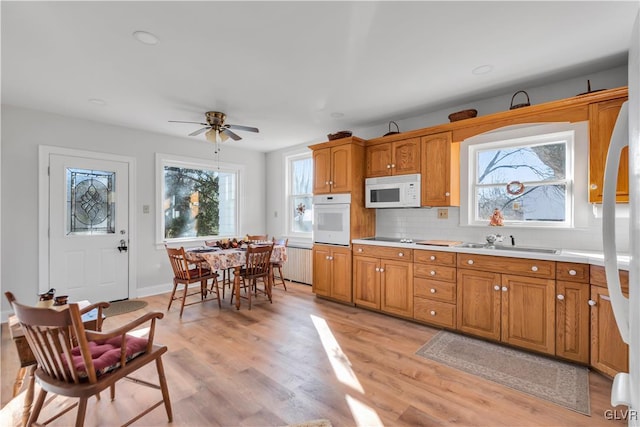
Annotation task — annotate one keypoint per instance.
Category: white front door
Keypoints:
(88, 227)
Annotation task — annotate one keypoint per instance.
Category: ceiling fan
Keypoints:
(217, 130)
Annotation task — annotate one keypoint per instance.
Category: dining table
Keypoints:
(221, 259)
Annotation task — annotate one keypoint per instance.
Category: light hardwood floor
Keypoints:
(268, 367)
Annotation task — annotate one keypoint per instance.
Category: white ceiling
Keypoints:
(289, 68)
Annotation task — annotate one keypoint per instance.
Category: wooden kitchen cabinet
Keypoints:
(572, 311)
(440, 170)
(337, 165)
(434, 287)
(507, 299)
(393, 158)
(609, 353)
(383, 279)
(332, 272)
(602, 118)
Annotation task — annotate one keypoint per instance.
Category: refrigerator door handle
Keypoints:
(619, 140)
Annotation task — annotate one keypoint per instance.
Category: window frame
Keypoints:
(574, 134)
(289, 218)
(163, 160)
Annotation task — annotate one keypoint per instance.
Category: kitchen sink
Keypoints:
(508, 248)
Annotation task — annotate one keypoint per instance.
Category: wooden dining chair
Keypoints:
(187, 272)
(79, 363)
(257, 266)
(257, 237)
(278, 265)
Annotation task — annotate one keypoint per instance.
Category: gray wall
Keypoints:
(24, 130)
(422, 223)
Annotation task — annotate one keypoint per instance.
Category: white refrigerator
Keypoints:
(626, 385)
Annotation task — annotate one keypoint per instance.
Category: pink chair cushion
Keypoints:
(106, 354)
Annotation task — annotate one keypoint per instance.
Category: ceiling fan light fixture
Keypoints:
(215, 136)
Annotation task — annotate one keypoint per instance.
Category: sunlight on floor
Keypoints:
(362, 414)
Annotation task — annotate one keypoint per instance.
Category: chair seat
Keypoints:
(106, 354)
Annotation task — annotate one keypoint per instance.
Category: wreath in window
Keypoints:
(515, 188)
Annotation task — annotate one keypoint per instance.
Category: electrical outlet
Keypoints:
(443, 213)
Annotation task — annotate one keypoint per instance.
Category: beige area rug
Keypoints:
(124, 306)
(562, 383)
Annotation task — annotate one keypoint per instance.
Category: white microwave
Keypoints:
(400, 191)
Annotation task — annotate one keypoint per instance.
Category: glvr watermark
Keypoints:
(622, 414)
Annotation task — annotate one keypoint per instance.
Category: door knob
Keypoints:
(123, 246)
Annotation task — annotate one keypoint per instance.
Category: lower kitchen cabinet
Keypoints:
(572, 311)
(609, 353)
(383, 279)
(332, 272)
(434, 287)
(517, 310)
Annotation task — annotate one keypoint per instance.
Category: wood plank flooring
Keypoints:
(268, 366)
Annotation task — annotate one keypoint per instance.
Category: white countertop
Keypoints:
(565, 255)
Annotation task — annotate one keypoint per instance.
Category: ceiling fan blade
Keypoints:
(199, 131)
(233, 136)
(180, 121)
(239, 127)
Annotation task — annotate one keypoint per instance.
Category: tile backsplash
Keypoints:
(423, 223)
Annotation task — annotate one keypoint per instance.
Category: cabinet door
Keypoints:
(341, 169)
(609, 353)
(405, 158)
(478, 310)
(529, 312)
(366, 281)
(321, 270)
(436, 170)
(341, 288)
(378, 160)
(602, 118)
(397, 288)
(572, 321)
(321, 171)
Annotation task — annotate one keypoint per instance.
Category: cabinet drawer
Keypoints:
(439, 313)
(598, 277)
(435, 272)
(400, 254)
(498, 264)
(572, 272)
(432, 289)
(435, 257)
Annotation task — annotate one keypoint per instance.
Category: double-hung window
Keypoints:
(528, 179)
(197, 199)
(300, 195)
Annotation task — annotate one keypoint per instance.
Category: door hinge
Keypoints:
(48, 170)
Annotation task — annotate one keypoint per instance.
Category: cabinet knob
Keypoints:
(496, 287)
(330, 258)
(432, 257)
(433, 273)
(326, 182)
(381, 270)
(534, 268)
(331, 182)
(432, 290)
(400, 254)
(560, 297)
(393, 165)
(432, 312)
(470, 261)
(326, 257)
(377, 269)
(504, 289)
(447, 194)
(572, 273)
(359, 249)
(593, 186)
(592, 303)
(388, 166)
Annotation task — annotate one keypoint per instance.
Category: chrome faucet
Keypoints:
(493, 238)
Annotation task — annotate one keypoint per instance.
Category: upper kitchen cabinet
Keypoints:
(602, 118)
(393, 158)
(338, 165)
(440, 170)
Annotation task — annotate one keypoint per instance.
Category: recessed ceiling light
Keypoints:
(337, 115)
(145, 37)
(97, 101)
(482, 69)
